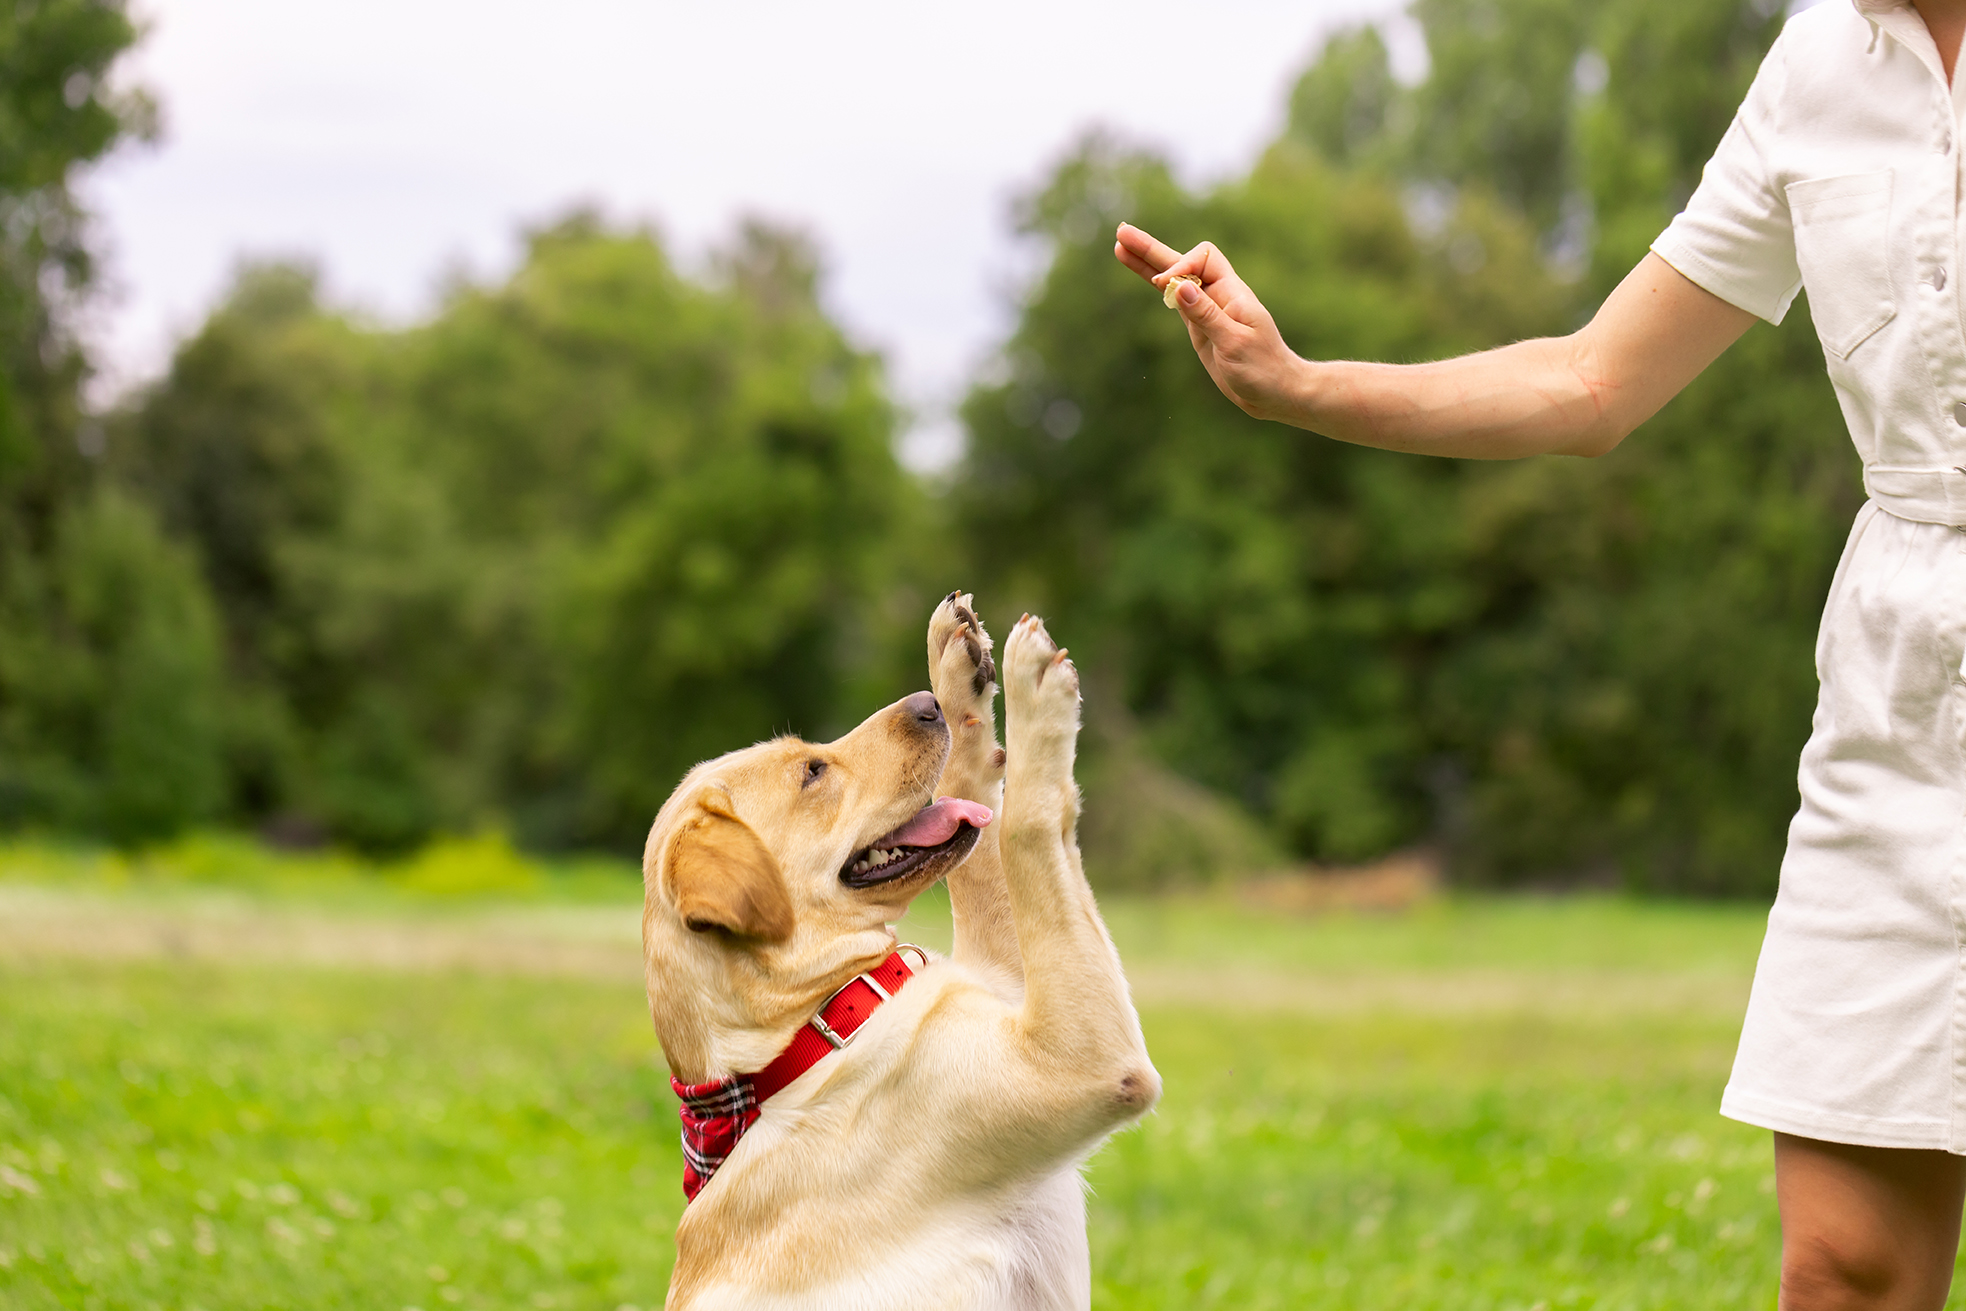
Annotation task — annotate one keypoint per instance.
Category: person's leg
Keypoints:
(1866, 1227)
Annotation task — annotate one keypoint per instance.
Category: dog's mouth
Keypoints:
(941, 834)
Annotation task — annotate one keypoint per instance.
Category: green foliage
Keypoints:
(1343, 106)
(1673, 74)
(1497, 106)
(477, 866)
(1553, 668)
(107, 652)
(534, 558)
(479, 870)
(1638, 693)
(109, 725)
(238, 458)
(54, 114)
(1269, 605)
(516, 568)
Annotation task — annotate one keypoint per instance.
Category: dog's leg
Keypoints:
(1077, 1017)
(964, 678)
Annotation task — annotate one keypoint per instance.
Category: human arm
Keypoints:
(1574, 395)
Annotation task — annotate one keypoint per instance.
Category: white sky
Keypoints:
(395, 140)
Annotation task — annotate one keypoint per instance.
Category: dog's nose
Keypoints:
(922, 707)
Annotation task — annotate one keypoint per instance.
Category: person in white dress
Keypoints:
(1841, 175)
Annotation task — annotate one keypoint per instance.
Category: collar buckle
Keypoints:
(834, 1038)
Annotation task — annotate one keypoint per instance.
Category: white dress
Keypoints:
(1841, 174)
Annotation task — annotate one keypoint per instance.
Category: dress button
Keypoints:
(1959, 414)
(1938, 279)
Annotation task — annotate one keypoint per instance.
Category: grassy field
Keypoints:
(214, 1095)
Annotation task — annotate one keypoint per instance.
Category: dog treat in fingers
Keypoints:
(1171, 291)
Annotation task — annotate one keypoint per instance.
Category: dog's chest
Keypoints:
(1024, 1250)
(900, 1179)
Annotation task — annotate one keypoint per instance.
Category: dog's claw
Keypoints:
(986, 668)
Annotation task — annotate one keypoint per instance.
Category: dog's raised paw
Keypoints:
(959, 658)
(1036, 666)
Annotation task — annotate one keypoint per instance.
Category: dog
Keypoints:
(928, 1157)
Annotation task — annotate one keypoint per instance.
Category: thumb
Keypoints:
(1200, 309)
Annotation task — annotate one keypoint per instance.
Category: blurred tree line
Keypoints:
(528, 562)
(525, 562)
(1552, 668)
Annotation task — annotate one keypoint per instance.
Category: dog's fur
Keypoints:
(933, 1162)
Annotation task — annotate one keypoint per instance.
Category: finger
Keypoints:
(1156, 254)
(1204, 262)
(1133, 261)
(1202, 313)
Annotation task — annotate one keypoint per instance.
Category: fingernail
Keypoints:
(1189, 293)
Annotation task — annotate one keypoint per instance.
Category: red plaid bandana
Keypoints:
(716, 1114)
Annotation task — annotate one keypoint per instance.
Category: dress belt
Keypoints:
(1921, 495)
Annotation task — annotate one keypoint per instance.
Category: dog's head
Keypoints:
(771, 875)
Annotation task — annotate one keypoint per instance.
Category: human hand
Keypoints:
(1232, 333)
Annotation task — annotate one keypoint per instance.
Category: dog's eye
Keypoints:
(814, 768)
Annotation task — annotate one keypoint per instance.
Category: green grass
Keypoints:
(213, 1134)
(218, 1137)
(1534, 933)
(1402, 1162)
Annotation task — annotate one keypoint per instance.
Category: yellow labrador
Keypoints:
(928, 1158)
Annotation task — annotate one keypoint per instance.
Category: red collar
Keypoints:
(716, 1114)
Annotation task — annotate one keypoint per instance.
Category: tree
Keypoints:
(1552, 668)
(1270, 605)
(528, 562)
(107, 663)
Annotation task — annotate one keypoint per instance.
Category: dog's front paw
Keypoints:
(959, 662)
(964, 677)
(1041, 692)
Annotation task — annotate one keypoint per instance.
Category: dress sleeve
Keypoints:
(1735, 237)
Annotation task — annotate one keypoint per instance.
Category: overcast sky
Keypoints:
(393, 141)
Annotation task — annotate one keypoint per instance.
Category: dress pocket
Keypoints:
(1843, 247)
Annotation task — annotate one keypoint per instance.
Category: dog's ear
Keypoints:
(722, 877)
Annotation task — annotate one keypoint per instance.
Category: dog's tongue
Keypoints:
(937, 823)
